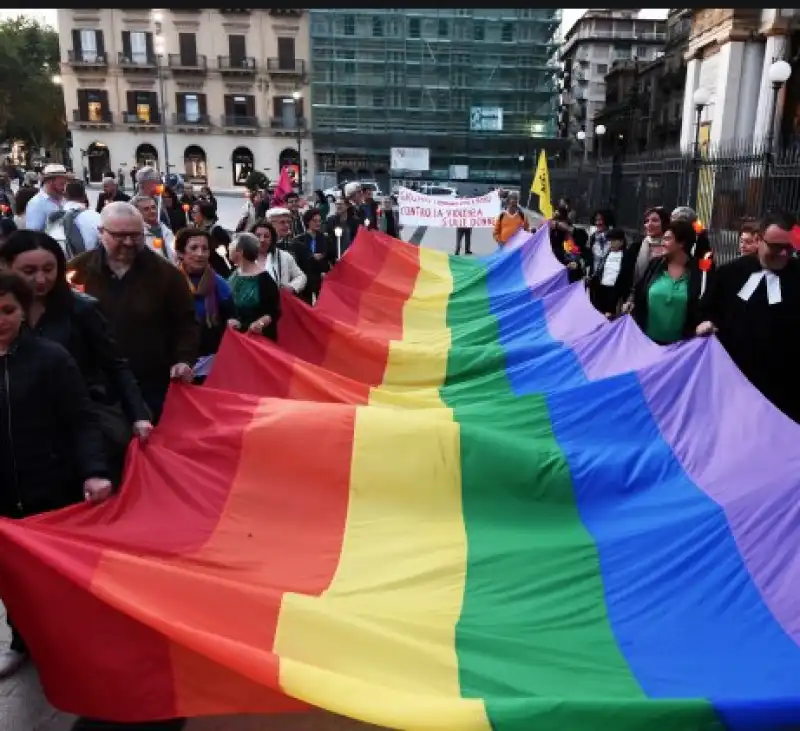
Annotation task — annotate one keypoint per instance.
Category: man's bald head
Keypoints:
(120, 210)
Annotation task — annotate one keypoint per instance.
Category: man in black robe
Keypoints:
(753, 304)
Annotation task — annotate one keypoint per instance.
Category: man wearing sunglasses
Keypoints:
(753, 304)
(146, 300)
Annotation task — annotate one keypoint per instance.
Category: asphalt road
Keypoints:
(22, 704)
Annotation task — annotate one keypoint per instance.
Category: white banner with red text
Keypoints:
(418, 209)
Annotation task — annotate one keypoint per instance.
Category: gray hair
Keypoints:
(120, 209)
(683, 213)
(148, 174)
(137, 199)
(247, 245)
(109, 179)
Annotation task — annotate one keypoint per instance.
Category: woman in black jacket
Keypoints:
(204, 216)
(666, 299)
(51, 450)
(312, 254)
(74, 321)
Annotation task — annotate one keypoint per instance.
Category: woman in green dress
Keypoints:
(256, 296)
(665, 300)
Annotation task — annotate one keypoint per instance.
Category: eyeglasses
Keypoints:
(122, 236)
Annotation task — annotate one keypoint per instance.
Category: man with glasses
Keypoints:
(145, 298)
(753, 304)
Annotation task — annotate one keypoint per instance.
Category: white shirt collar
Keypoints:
(773, 286)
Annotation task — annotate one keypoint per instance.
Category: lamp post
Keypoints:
(582, 139)
(778, 74)
(521, 159)
(701, 98)
(162, 102)
(296, 98)
(599, 131)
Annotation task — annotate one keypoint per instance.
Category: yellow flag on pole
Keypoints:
(540, 185)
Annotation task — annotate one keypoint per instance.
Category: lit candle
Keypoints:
(338, 232)
(186, 207)
(705, 267)
(366, 222)
(158, 243)
(160, 189)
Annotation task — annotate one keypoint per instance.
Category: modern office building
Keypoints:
(594, 42)
(215, 93)
(473, 87)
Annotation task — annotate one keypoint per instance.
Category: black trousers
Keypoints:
(466, 234)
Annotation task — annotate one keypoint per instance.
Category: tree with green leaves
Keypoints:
(256, 181)
(31, 102)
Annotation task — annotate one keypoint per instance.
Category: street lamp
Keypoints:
(778, 74)
(701, 98)
(599, 131)
(581, 136)
(521, 160)
(160, 48)
(297, 95)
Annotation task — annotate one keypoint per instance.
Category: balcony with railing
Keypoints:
(87, 60)
(279, 67)
(291, 12)
(239, 122)
(296, 127)
(237, 66)
(191, 121)
(179, 63)
(84, 117)
(132, 119)
(139, 63)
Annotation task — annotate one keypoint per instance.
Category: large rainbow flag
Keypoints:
(452, 497)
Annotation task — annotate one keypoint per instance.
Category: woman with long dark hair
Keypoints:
(51, 450)
(204, 217)
(74, 320)
(666, 298)
(277, 262)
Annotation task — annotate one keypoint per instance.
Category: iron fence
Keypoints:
(725, 184)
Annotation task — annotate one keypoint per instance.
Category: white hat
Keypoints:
(54, 171)
(275, 212)
(351, 188)
(109, 179)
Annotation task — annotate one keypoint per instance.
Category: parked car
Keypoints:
(439, 191)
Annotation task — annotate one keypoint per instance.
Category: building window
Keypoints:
(88, 45)
(378, 98)
(139, 47)
(507, 33)
(413, 28)
(377, 27)
(414, 98)
(641, 51)
(349, 68)
(349, 25)
(602, 69)
(479, 32)
(443, 29)
(349, 96)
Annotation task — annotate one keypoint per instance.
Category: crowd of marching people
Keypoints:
(100, 309)
(668, 281)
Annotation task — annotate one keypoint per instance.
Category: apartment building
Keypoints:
(212, 93)
(644, 99)
(594, 42)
